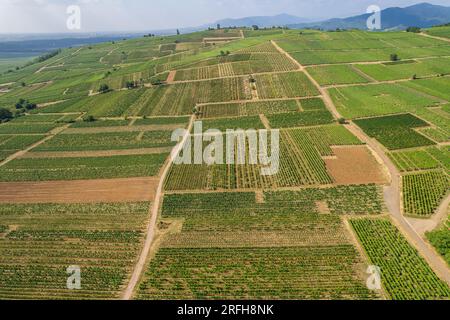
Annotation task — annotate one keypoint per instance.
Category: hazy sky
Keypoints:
(44, 16)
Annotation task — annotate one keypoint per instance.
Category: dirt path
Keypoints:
(434, 37)
(259, 100)
(42, 105)
(154, 211)
(362, 74)
(392, 192)
(108, 54)
(379, 82)
(171, 77)
(369, 62)
(21, 153)
(59, 59)
(301, 67)
(265, 121)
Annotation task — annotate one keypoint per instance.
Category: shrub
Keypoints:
(5, 114)
(394, 57)
(104, 88)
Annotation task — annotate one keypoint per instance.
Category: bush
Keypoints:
(394, 57)
(5, 114)
(413, 29)
(89, 119)
(104, 88)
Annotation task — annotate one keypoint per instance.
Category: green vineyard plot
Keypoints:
(376, 100)
(397, 71)
(243, 230)
(39, 242)
(340, 74)
(395, 132)
(405, 274)
(47, 169)
(285, 85)
(423, 192)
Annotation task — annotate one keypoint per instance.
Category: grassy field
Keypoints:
(439, 238)
(340, 74)
(376, 100)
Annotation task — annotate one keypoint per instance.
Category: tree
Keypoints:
(413, 29)
(131, 84)
(255, 27)
(178, 32)
(218, 26)
(104, 88)
(394, 57)
(30, 106)
(5, 114)
(89, 119)
(414, 77)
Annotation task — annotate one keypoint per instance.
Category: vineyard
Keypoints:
(423, 159)
(39, 242)
(423, 192)
(243, 229)
(396, 132)
(405, 274)
(378, 100)
(256, 63)
(284, 85)
(300, 165)
(340, 74)
(254, 274)
(94, 124)
(107, 141)
(48, 169)
(267, 107)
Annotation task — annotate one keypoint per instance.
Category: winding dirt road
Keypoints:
(154, 211)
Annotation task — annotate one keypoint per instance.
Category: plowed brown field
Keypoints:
(80, 191)
(355, 165)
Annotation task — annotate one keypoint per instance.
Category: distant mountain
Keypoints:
(422, 15)
(262, 21)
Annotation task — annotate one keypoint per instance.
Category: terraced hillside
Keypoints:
(86, 176)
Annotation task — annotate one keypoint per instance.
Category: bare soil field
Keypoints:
(171, 77)
(355, 165)
(82, 191)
